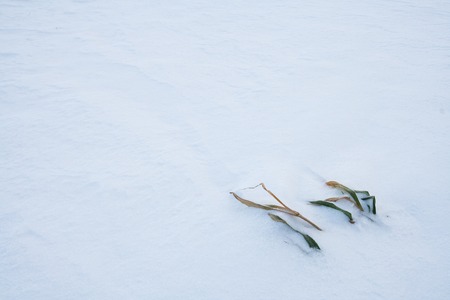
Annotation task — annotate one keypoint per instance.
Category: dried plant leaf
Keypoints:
(265, 207)
(250, 203)
(284, 209)
(309, 240)
(269, 192)
(285, 206)
(275, 206)
(333, 206)
(351, 192)
(336, 199)
(273, 195)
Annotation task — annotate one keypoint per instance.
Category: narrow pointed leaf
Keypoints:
(262, 206)
(362, 192)
(277, 218)
(273, 195)
(333, 206)
(374, 207)
(309, 240)
(351, 192)
(250, 203)
(274, 207)
(336, 199)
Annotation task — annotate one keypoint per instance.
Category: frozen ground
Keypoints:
(124, 125)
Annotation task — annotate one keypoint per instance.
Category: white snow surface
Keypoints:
(124, 125)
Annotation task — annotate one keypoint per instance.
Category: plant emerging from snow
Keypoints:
(329, 202)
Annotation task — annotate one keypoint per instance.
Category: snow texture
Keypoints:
(124, 125)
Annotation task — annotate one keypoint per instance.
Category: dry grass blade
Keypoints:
(250, 203)
(273, 195)
(268, 191)
(336, 199)
(284, 209)
(296, 213)
(265, 207)
(311, 242)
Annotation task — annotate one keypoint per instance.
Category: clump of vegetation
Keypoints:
(284, 209)
(356, 197)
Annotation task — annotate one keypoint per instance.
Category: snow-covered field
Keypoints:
(124, 125)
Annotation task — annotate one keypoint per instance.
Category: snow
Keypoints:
(124, 125)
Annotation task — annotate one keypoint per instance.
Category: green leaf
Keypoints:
(374, 207)
(309, 240)
(351, 192)
(362, 192)
(277, 218)
(333, 206)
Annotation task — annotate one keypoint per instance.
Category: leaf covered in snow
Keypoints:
(311, 242)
